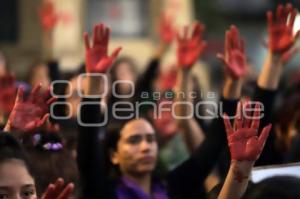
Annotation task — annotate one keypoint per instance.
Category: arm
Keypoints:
(189, 177)
(245, 148)
(91, 157)
(280, 50)
(187, 56)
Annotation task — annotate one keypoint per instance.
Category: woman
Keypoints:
(16, 176)
(132, 149)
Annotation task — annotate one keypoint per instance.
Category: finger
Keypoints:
(235, 36)
(238, 121)
(198, 30)
(34, 92)
(270, 19)
(20, 95)
(292, 19)
(248, 115)
(48, 194)
(106, 36)
(67, 191)
(256, 117)
(227, 45)
(116, 53)
(228, 126)
(51, 100)
(86, 41)
(42, 121)
(286, 11)
(279, 13)
(100, 33)
(185, 32)
(95, 35)
(58, 186)
(264, 135)
(289, 54)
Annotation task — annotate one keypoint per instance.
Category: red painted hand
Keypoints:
(280, 28)
(189, 49)
(28, 115)
(48, 16)
(166, 30)
(58, 190)
(8, 93)
(243, 141)
(234, 56)
(97, 59)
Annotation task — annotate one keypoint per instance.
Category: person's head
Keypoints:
(279, 187)
(133, 148)
(124, 69)
(16, 178)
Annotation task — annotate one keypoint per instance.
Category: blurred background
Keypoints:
(134, 26)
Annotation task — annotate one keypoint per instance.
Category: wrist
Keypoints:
(241, 169)
(232, 88)
(271, 72)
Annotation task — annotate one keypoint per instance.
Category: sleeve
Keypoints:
(269, 154)
(187, 180)
(145, 80)
(90, 153)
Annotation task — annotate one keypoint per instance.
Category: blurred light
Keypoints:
(297, 24)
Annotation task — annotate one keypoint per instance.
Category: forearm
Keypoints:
(269, 77)
(236, 181)
(232, 88)
(192, 133)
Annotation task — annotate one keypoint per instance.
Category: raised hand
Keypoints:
(234, 56)
(280, 29)
(29, 115)
(8, 93)
(243, 140)
(190, 48)
(167, 31)
(97, 59)
(58, 190)
(48, 16)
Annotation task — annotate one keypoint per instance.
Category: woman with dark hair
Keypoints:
(132, 148)
(16, 174)
(16, 177)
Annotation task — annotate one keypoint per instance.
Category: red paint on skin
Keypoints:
(97, 58)
(189, 49)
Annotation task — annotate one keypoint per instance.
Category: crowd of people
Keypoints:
(104, 134)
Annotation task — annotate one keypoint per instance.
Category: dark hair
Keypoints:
(278, 187)
(10, 149)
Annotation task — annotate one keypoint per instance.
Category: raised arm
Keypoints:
(90, 151)
(280, 50)
(187, 180)
(280, 45)
(245, 148)
(189, 49)
(234, 59)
